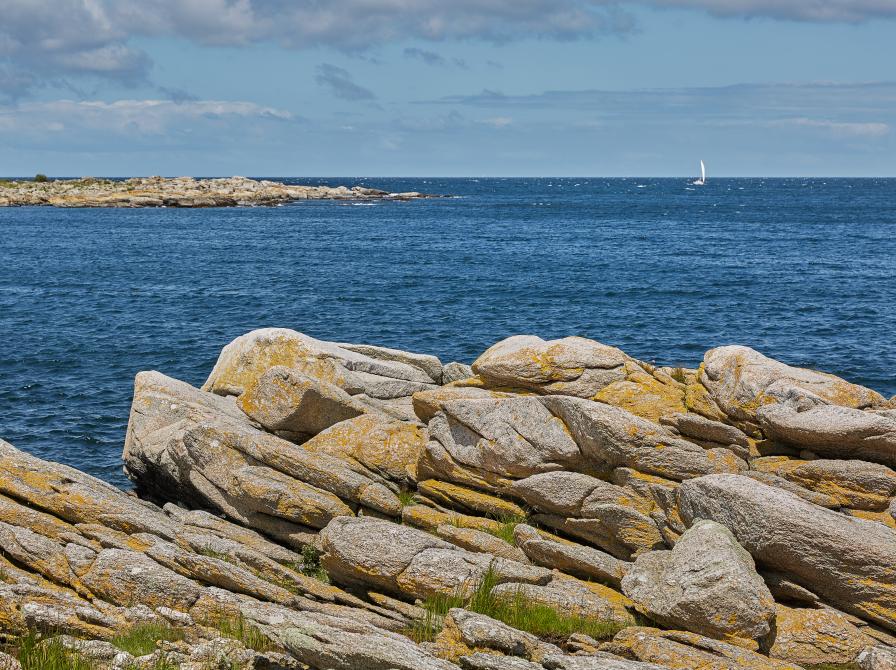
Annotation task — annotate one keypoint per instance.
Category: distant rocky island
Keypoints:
(176, 192)
(558, 505)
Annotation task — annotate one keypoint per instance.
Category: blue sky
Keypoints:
(428, 87)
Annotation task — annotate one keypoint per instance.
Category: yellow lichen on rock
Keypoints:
(643, 394)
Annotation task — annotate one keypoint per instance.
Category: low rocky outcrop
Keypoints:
(337, 506)
(178, 192)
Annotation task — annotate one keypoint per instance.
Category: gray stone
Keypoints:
(741, 380)
(572, 366)
(478, 631)
(597, 661)
(814, 497)
(877, 658)
(616, 437)
(848, 561)
(506, 437)
(483, 661)
(455, 372)
(701, 428)
(571, 558)
(829, 430)
(284, 400)
(707, 584)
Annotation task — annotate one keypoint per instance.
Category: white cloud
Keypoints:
(840, 128)
(47, 39)
(131, 118)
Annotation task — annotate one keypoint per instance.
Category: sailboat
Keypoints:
(702, 180)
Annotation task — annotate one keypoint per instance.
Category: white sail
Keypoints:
(702, 180)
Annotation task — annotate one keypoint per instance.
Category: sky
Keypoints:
(448, 88)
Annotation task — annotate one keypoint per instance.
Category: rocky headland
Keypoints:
(558, 505)
(177, 192)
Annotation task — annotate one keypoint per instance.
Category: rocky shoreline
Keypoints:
(177, 192)
(558, 505)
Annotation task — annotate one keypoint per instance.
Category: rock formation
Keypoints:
(556, 505)
(177, 192)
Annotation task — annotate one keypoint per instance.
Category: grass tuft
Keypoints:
(679, 375)
(508, 524)
(142, 639)
(311, 565)
(35, 652)
(516, 611)
(239, 629)
(407, 498)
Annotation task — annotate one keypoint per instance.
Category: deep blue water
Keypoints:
(801, 269)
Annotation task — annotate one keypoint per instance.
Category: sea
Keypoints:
(804, 270)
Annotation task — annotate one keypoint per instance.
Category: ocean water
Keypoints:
(802, 269)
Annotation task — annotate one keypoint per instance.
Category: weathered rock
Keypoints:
(283, 400)
(769, 479)
(322, 641)
(452, 495)
(429, 403)
(249, 356)
(466, 631)
(707, 584)
(701, 428)
(484, 661)
(877, 658)
(178, 192)
(7, 662)
(620, 530)
(74, 496)
(681, 650)
(571, 596)
(574, 559)
(848, 561)
(856, 484)
(455, 372)
(644, 395)
(815, 637)
(571, 366)
(741, 380)
(406, 561)
(478, 540)
(837, 432)
(375, 446)
(498, 439)
(566, 493)
(616, 437)
(596, 661)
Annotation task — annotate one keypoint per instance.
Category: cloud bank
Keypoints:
(45, 41)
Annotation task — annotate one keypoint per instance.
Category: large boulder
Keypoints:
(571, 366)
(411, 562)
(814, 637)
(375, 445)
(706, 584)
(855, 484)
(499, 439)
(848, 561)
(741, 380)
(190, 446)
(615, 437)
(833, 431)
(286, 401)
(249, 356)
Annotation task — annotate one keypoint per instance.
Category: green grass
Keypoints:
(241, 630)
(141, 640)
(407, 498)
(515, 610)
(678, 374)
(34, 653)
(311, 566)
(211, 553)
(508, 524)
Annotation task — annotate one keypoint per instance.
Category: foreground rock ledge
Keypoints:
(555, 505)
(178, 192)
